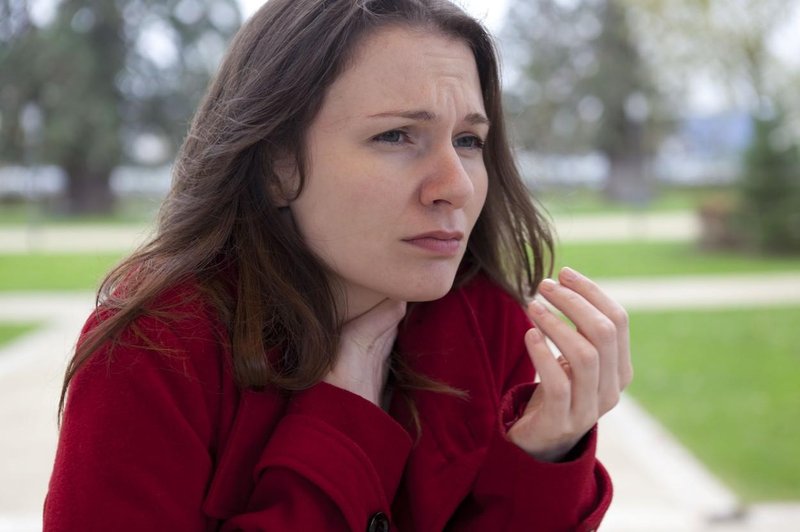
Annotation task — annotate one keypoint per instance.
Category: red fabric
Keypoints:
(155, 441)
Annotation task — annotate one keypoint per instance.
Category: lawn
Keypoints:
(135, 210)
(11, 331)
(726, 384)
(577, 200)
(63, 271)
(632, 259)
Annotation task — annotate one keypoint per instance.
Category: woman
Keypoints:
(327, 331)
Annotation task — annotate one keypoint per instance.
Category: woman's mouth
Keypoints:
(446, 243)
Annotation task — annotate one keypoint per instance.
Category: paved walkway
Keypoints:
(659, 486)
(641, 226)
(31, 370)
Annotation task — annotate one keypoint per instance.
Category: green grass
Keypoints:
(43, 272)
(137, 210)
(576, 200)
(726, 384)
(632, 259)
(11, 331)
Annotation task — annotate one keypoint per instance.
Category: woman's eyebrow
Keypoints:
(426, 116)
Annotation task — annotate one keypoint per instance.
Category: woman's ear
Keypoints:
(284, 181)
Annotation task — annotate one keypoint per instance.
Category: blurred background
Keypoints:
(663, 138)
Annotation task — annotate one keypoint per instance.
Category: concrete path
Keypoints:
(659, 485)
(31, 371)
(640, 226)
(71, 238)
(706, 291)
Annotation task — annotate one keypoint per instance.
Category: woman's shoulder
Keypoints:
(162, 378)
(177, 328)
(184, 305)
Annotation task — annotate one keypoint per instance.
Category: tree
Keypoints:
(716, 39)
(584, 86)
(101, 74)
(770, 186)
(731, 42)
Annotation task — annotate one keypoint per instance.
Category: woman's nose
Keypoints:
(447, 182)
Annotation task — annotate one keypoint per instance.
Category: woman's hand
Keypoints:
(362, 362)
(586, 383)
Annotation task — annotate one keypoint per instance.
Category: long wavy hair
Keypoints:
(218, 227)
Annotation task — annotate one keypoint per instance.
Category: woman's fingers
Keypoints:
(599, 331)
(610, 308)
(551, 425)
(582, 356)
(588, 308)
(554, 381)
(585, 382)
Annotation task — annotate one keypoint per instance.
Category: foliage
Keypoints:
(82, 90)
(583, 86)
(733, 42)
(735, 371)
(720, 41)
(770, 189)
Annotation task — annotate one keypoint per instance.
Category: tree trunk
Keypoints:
(88, 192)
(627, 180)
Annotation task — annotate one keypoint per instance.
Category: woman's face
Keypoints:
(396, 178)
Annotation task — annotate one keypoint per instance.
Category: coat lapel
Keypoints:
(231, 486)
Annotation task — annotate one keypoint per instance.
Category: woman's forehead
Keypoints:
(400, 69)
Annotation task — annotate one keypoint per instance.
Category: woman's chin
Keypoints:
(429, 289)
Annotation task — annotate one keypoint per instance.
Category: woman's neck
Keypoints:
(354, 301)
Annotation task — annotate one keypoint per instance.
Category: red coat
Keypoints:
(155, 441)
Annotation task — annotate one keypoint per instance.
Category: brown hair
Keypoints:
(219, 228)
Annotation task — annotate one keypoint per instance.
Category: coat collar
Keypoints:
(441, 340)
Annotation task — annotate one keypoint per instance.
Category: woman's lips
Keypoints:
(445, 243)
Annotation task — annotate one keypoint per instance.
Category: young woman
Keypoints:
(327, 331)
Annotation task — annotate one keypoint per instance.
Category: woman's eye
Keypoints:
(472, 142)
(391, 137)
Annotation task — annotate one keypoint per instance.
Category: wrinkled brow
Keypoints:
(474, 119)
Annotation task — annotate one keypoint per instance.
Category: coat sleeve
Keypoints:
(137, 447)
(514, 491)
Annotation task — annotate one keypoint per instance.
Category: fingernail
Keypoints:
(536, 335)
(537, 308)
(568, 274)
(547, 285)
